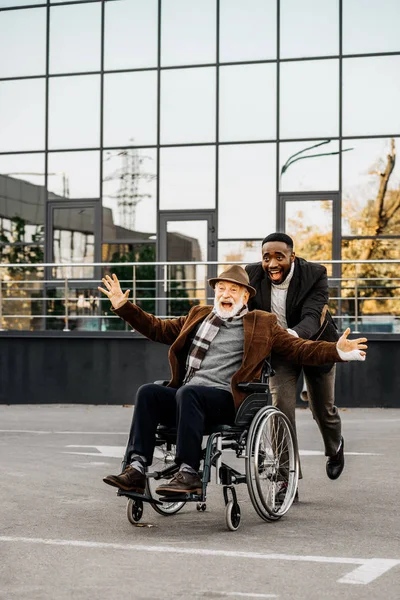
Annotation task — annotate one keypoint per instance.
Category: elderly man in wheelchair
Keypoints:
(219, 388)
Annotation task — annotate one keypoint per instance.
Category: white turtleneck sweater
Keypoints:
(278, 300)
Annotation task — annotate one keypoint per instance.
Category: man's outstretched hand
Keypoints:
(356, 346)
(113, 291)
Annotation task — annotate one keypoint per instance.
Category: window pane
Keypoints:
(22, 197)
(130, 34)
(129, 194)
(309, 99)
(22, 123)
(74, 112)
(247, 251)
(310, 223)
(364, 211)
(378, 287)
(23, 36)
(303, 167)
(309, 28)
(188, 32)
(187, 178)
(188, 105)
(73, 241)
(247, 30)
(371, 95)
(368, 27)
(143, 292)
(74, 174)
(7, 3)
(130, 109)
(75, 38)
(247, 102)
(247, 191)
(26, 167)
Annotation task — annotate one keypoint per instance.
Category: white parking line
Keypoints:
(369, 569)
(118, 451)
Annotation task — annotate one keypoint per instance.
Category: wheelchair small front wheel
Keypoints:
(232, 515)
(134, 510)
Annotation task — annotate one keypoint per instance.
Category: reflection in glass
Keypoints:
(21, 287)
(247, 102)
(187, 178)
(22, 123)
(22, 200)
(141, 280)
(247, 30)
(247, 191)
(370, 28)
(310, 223)
(26, 167)
(188, 32)
(188, 105)
(309, 99)
(187, 285)
(303, 166)
(367, 172)
(74, 112)
(309, 28)
(371, 95)
(130, 108)
(75, 32)
(129, 194)
(23, 37)
(378, 286)
(130, 34)
(248, 251)
(74, 174)
(73, 241)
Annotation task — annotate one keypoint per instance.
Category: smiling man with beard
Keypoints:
(296, 291)
(212, 350)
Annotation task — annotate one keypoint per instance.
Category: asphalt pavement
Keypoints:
(64, 534)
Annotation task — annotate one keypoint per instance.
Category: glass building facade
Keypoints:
(186, 130)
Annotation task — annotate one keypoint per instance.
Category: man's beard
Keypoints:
(227, 314)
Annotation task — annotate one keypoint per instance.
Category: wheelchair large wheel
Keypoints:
(162, 459)
(272, 464)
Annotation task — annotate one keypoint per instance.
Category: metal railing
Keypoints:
(29, 301)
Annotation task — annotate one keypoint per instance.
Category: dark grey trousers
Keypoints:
(321, 396)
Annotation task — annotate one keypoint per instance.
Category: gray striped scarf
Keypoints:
(203, 338)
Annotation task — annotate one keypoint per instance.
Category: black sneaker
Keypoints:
(131, 480)
(182, 483)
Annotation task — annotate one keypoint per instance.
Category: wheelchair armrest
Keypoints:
(163, 382)
(253, 386)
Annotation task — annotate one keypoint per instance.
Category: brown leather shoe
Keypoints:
(131, 480)
(182, 483)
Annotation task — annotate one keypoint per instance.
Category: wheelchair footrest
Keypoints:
(135, 496)
(187, 497)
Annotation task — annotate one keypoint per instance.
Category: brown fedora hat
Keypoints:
(234, 274)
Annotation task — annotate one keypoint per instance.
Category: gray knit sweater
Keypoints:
(223, 358)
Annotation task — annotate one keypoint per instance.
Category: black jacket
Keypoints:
(306, 302)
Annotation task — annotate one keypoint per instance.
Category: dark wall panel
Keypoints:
(94, 370)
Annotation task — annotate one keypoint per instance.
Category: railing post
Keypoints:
(1, 304)
(356, 300)
(66, 328)
(134, 284)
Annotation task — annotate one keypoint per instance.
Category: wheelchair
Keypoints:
(261, 436)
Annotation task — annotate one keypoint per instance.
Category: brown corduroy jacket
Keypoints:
(262, 334)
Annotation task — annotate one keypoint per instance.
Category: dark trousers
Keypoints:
(321, 393)
(190, 408)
